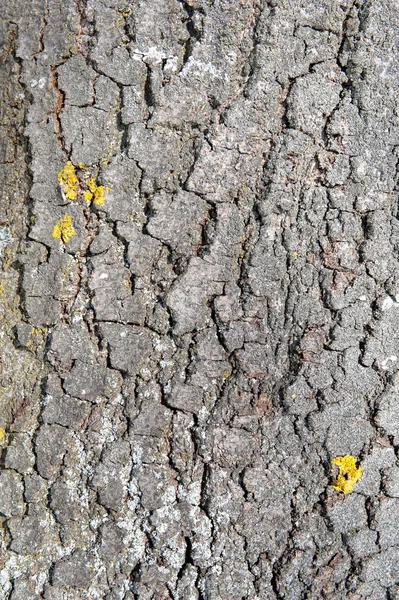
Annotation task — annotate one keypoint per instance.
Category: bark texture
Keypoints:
(199, 299)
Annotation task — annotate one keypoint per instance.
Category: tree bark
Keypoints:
(199, 300)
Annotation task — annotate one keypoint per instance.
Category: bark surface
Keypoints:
(199, 299)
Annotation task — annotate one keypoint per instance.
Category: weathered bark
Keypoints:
(186, 349)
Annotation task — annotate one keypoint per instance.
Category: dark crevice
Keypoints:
(194, 24)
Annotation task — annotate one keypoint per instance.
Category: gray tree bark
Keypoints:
(199, 300)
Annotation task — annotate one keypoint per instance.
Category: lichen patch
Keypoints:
(63, 229)
(77, 181)
(350, 472)
(95, 193)
(69, 181)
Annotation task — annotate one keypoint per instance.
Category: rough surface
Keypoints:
(217, 317)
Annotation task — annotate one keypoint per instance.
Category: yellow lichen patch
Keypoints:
(77, 181)
(38, 330)
(2, 433)
(69, 181)
(95, 193)
(99, 195)
(87, 195)
(349, 473)
(63, 229)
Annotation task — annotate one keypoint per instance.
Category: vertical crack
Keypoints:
(59, 105)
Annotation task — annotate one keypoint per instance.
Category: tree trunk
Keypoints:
(199, 300)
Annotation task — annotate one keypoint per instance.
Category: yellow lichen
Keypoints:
(349, 473)
(72, 186)
(63, 229)
(99, 196)
(38, 330)
(87, 195)
(69, 181)
(2, 433)
(95, 193)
